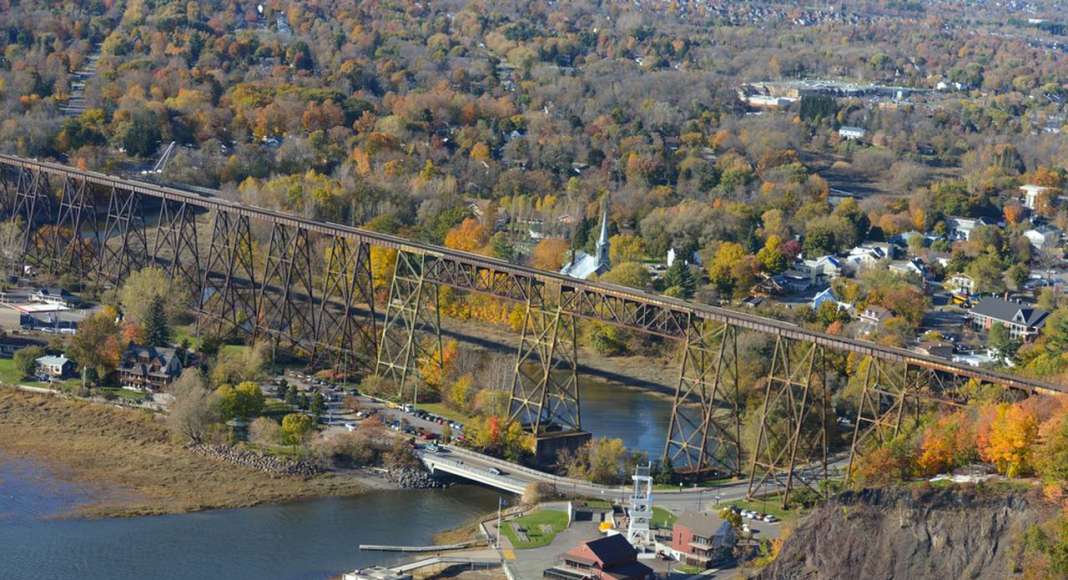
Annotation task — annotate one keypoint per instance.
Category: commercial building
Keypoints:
(702, 539)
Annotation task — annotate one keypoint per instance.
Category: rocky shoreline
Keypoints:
(416, 478)
(263, 462)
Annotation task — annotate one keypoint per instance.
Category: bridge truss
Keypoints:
(307, 285)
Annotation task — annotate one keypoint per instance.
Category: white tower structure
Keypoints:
(639, 533)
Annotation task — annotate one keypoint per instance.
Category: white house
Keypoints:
(1031, 193)
(54, 366)
(828, 267)
(851, 133)
(867, 255)
(906, 267)
(1043, 237)
(961, 228)
(961, 284)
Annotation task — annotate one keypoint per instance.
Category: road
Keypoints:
(514, 479)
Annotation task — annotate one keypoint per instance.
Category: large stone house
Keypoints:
(148, 367)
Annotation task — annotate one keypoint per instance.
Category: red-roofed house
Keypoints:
(608, 558)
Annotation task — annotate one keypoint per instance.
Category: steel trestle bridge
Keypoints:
(307, 285)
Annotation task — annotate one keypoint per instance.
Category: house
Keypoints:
(53, 296)
(907, 267)
(1023, 320)
(828, 295)
(868, 255)
(607, 558)
(851, 133)
(149, 367)
(1043, 237)
(828, 267)
(961, 283)
(875, 315)
(56, 367)
(702, 540)
(961, 228)
(1032, 194)
(583, 265)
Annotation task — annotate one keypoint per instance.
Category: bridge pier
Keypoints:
(793, 423)
(347, 281)
(413, 305)
(545, 396)
(697, 438)
(228, 293)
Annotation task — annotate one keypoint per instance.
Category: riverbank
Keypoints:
(129, 466)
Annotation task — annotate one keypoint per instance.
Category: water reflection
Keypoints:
(314, 539)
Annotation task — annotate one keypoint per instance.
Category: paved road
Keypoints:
(513, 478)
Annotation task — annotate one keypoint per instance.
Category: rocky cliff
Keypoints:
(911, 534)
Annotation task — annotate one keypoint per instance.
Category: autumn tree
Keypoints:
(1009, 442)
(192, 412)
(97, 345)
(296, 427)
(469, 236)
(549, 254)
(241, 402)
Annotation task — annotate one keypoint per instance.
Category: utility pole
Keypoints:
(500, 501)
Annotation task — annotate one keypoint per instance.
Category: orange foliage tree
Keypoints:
(468, 236)
(549, 254)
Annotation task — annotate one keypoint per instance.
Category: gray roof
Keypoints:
(706, 525)
(1009, 311)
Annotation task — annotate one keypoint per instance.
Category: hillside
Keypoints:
(895, 533)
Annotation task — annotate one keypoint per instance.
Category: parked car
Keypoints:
(770, 519)
(350, 426)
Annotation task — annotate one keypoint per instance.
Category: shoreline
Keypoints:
(128, 466)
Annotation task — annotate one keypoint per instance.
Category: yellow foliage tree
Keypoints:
(1010, 442)
(468, 236)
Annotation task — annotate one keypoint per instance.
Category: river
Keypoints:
(637, 416)
(306, 540)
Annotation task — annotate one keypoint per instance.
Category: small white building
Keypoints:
(851, 133)
(961, 228)
(961, 284)
(1043, 237)
(54, 366)
(1031, 193)
(907, 267)
(868, 255)
(828, 267)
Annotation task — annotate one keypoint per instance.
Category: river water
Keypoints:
(306, 540)
(637, 416)
(314, 539)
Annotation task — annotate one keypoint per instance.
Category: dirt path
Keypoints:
(128, 463)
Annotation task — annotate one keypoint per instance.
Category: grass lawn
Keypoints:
(772, 504)
(9, 375)
(442, 411)
(687, 569)
(663, 518)
(532, 524)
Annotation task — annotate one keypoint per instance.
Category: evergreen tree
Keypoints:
(678, 276)
(318, 404)
(157, 330)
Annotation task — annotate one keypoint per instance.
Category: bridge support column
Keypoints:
(699, 437)
(123, 244)
(884, 401)
(228, 294)
(545, 393)
(793, 423)
(286, 293)
(32, 204)
(348, 343)
(59, 246)
(413, 305)
(176, 245)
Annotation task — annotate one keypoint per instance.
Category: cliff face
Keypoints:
(910, 534)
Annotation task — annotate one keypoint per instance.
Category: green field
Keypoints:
(536, 535)
(663, 518)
